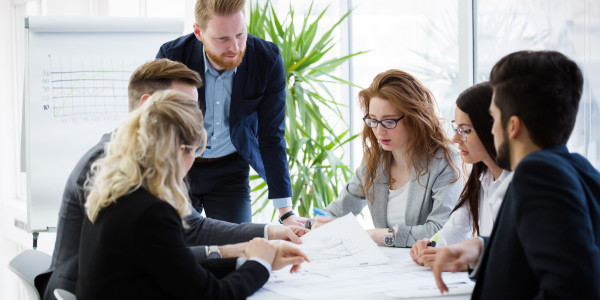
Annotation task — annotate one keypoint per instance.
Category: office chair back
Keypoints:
(27, 265)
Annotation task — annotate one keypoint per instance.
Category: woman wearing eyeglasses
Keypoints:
(485, 187)
(132, 241)
(409, 175)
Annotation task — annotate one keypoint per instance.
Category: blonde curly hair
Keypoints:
(144, 151)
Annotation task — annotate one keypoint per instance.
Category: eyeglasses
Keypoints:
(462, 133)
(387, 123)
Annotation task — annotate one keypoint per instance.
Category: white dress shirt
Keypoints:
(459, 226)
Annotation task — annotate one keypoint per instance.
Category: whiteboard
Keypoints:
(76, 75)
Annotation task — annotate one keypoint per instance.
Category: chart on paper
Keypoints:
(86, 88)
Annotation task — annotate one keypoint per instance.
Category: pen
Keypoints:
(320, 212)
(433, 240)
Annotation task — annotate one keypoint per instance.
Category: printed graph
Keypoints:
(89, 88)
(335, 249)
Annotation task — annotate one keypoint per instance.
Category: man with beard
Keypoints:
(546, 241)
(243, 100)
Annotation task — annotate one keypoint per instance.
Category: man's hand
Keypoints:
(417, 249)
(454, 258)
(293, 219)
(321, 220)
(288, 255)
(289, 233)
(234, 250)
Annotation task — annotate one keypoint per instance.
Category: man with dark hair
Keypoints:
(546, 241)
(243, 101)
(149, 78)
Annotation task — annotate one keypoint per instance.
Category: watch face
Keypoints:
(389, 240)
(213, 255)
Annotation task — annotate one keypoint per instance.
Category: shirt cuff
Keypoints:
(266, 232)
(282, 202)
(241, 260)
(475, 266)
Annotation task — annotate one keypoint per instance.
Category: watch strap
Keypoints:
(285, 216)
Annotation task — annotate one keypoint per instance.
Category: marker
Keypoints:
(432, 244)
(433, 240)
(320, 212)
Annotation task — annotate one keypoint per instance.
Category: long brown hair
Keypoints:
(425, 133)
(475, 102)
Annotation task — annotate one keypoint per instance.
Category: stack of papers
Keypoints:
(345, 262)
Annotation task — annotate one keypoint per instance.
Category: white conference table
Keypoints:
(264, 294)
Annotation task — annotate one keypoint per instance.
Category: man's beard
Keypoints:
(224, 62)
(503, 156)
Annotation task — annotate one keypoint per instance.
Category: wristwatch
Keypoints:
(389, 238)
(213, 252)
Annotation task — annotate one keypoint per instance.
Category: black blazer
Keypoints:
(546, 240)
(136, 250)
(62, 272)
(257, 113)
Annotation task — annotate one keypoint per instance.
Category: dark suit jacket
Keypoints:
(136, 250)
(63, 268)
(546, 240)
(257, 114)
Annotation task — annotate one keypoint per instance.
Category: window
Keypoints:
(570, 27)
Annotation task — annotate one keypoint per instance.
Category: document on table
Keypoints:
(340, 243)
(347, 263)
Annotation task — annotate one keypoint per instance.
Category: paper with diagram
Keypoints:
(347, 263)
(340, 243)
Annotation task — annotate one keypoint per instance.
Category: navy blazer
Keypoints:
(257, 113)
(136, 249)
(546, 240)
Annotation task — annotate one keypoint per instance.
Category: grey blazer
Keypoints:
(430, 200)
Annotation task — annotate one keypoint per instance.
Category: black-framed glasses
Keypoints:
(462, 133)
(387, 123)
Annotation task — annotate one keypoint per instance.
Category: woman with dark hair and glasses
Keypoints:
(485, 187)
(409, 176)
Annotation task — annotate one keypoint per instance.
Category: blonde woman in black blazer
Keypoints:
(132, 243)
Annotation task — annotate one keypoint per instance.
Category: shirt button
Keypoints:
(214, 138)
(218, 123)
(218, 102)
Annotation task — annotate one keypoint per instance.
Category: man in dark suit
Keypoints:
(243, 101)
(546, 241)
(228, 239)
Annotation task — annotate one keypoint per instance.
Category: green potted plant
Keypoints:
(314, 148)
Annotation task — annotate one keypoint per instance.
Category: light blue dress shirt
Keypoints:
(217, 89)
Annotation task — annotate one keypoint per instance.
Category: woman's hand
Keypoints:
(320, 221)
(417, 249)
(261, 248)
(288, 255)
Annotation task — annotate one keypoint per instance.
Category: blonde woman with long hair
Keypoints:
(409, 177)
(133, 243)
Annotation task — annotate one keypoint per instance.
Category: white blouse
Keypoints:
(396, 206)
(459, 226)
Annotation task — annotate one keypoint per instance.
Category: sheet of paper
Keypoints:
(340, 243)
(347, 263)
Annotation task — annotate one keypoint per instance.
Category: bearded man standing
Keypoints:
(243, 100)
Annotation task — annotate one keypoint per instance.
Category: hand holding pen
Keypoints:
(417, 252)
(322, 218)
